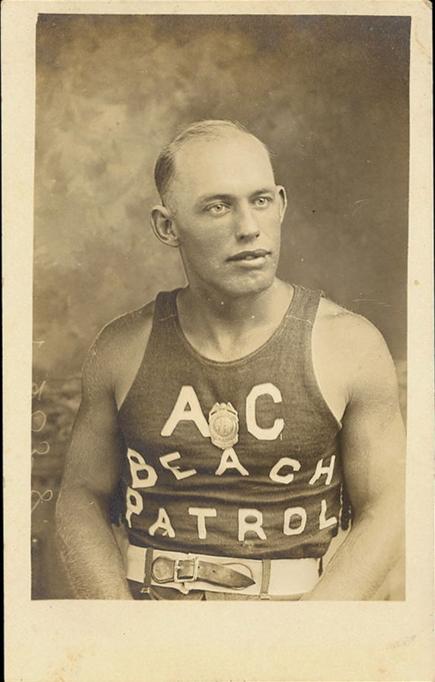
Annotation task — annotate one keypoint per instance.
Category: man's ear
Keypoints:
(163, 226)
(282, 194)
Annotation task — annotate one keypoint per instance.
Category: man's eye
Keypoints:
(217, 209)
(261, 202)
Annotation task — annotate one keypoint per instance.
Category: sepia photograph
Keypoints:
(219, 341)
(220, 278)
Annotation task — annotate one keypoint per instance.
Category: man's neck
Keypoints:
(225, 328)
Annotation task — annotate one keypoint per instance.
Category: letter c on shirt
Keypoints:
(272, 432)
(281, 463)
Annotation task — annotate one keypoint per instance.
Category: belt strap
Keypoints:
(186, 572)
(147, 572)
(165, 570)
(265, 579)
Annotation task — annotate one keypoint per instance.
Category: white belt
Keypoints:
(287, 576)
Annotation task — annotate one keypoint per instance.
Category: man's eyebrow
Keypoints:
(263, 190)
(227, 197)
(211, 197)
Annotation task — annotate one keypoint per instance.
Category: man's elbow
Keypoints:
(384, 517)
(65, 511)
(76, 501)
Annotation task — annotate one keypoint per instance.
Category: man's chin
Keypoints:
(247, 285)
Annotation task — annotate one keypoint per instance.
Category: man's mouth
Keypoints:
(249, 255)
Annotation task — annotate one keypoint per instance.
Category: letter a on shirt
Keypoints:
(186, 408)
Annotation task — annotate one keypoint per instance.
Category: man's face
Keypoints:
(227, 214)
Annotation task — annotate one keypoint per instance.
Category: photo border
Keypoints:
(78, 640)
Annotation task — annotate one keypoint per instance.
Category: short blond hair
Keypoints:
(164, 168)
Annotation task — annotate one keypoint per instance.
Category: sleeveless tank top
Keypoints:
(236, 458)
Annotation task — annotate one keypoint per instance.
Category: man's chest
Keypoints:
(257, 431)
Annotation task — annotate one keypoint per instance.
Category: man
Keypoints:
(233, 413)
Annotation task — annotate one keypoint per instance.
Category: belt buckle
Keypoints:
(188, 579)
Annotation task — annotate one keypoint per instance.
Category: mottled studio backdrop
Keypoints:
(328, 95)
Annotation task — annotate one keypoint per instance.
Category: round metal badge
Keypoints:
(223, 423)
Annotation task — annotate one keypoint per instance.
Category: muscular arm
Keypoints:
(87, 544)
(372, 447)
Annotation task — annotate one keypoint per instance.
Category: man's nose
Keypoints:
(246, 224)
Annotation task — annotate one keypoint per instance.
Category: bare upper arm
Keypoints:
(358, 376)
(94, 457)
(372, 437)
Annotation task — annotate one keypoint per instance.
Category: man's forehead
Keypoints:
(225, 154)
(214, 142)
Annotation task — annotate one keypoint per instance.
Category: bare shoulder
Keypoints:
(346, 326)
(116, 353)
(127, 329)
(353, 347)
